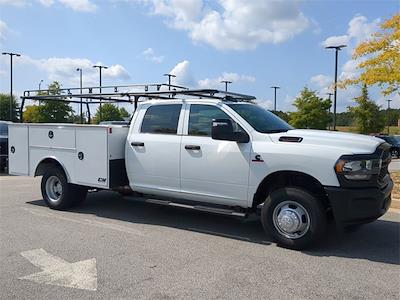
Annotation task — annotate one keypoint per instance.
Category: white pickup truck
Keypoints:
(214, 155)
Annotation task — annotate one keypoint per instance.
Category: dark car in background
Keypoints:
(3, 144)
(394, 142)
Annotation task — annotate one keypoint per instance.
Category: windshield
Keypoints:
(3, 129)
(394, 140)
(260, 119)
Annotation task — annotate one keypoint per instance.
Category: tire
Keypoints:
(295, 218)
(58, 193)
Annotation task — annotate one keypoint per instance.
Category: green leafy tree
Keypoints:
(57, 111)
(109, 112)
(283, 115)
(124, 113)
(5, 108)
(366, 114)
(50, 111)
(312, 111)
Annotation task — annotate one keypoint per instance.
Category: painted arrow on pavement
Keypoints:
(56, 271)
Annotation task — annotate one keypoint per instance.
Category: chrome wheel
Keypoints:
(54, 188)
(291, 219)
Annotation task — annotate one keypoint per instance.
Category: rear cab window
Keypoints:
(161, 119)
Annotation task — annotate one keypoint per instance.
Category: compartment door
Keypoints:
(18, 159)
(91, 161)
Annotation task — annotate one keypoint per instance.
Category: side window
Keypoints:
(201, 116)
(161, 119)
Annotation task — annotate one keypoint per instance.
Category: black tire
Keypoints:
(294, 201)
(59, 194)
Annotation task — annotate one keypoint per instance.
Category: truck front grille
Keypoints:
(386, 158)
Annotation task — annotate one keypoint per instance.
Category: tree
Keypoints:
(54, 111)
(312, 111)
(124, 113)
(380, 58)
(32, 114)
(110, 112)
(366, 114)
(283, 115)
(5, 108)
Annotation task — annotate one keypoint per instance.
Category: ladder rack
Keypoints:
(128, 94)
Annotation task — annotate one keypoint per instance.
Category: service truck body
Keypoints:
(231, 156)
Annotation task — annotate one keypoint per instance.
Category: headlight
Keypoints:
(358, 169)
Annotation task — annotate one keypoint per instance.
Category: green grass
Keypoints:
(393, 129)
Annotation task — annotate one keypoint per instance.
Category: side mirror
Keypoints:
(222, 129)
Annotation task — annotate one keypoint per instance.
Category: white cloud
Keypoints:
(359, 30)
(149, 54)
(3, 30)
(80, 5)
(117, 72)
(77, 5)
(216, 82)
(183, 74)
(18, 3)
(321, 80)
(46, 3)
(64, 70)
(336, 40)
(237, 25)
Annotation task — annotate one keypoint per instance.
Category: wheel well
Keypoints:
(281, 179)
(48, 163)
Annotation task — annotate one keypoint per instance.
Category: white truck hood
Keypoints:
(348, 142)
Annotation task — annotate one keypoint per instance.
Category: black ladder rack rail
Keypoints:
(129, 94)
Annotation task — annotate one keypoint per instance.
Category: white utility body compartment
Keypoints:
(91, 155)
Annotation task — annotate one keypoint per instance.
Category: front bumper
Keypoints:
(359, 205)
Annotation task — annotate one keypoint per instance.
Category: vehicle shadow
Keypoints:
(378, 241)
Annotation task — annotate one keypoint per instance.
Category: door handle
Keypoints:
(192, 147)
(137, 144)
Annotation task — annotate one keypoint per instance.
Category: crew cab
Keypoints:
(215, 155)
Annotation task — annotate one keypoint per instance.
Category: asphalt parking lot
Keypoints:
(120, 248)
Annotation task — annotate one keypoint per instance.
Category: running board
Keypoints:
(215, 210)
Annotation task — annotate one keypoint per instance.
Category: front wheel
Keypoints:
(58, 193)
(294, 217)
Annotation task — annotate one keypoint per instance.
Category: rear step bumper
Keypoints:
(215, 210)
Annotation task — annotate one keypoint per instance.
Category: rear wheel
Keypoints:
(294, 217)
(58, 193)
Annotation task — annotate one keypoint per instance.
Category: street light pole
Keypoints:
(388, 108)
(169, 79)
(329, 110)
(100, 67)
(80, 84)
(337, 49)
(11, 78)
(40, 84)
(226, 82)
(275, 88)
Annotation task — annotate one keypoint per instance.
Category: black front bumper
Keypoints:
(359, 205)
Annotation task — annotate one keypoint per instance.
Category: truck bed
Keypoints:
(91, 155)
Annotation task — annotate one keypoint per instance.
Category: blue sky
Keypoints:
(253, 43)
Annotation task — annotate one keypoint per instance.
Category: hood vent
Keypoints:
(290, 139)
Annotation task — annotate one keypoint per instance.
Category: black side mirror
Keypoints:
(222, 129)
